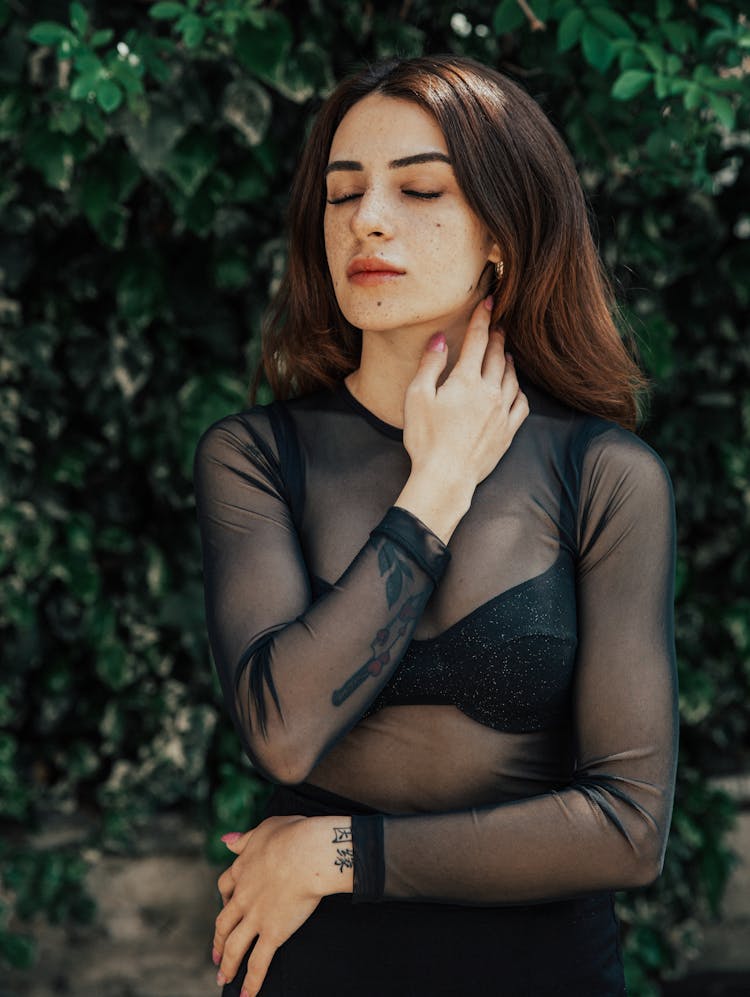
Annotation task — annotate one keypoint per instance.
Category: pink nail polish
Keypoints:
(244, 993)
(216, 956)
(231, 838)
(221, 979)
(489, 302)
(437, 342)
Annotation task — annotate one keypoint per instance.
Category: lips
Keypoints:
(371, 264)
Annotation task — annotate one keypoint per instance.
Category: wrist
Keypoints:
(332, 855)
(439, 502)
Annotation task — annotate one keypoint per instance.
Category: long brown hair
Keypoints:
(555, 300)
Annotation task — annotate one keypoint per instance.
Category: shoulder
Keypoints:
(245, 435)
(619, 470)
(605, 443)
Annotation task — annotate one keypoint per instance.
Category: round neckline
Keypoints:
(394, 432)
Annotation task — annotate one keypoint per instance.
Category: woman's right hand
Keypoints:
(464, 427)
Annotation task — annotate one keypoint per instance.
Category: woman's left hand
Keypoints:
(268, 891)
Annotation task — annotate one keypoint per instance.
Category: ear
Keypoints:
(495, 255)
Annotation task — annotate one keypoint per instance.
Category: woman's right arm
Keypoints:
(298, 674)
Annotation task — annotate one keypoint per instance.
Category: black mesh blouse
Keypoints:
(506, 702)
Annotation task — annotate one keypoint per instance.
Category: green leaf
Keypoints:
(508, 17)
(247, 107)
(66, 119)
(108, 95)
(79, 18)
(50, 153)
(655, 55)
(50, 33)
(663, 9)
(678, 35)
(166, 11)
(569, 29)
(693, 96)
(597, 47)
(112, 665)
(717, 14)
(191, 160)
(630, 83)
(723, 109)
(263, 51)
(84, 85)
(612, 22)
(662, 88)
(18, 950)
(192, 29)
(102, 37)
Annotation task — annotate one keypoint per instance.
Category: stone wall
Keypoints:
(153, 934)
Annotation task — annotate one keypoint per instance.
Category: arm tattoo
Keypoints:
(391, 563)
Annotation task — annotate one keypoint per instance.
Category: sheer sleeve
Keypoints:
(607, 829)
(297, 673)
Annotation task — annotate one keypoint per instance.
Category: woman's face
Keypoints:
(393, 199)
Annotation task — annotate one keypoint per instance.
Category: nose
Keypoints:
(372, 215)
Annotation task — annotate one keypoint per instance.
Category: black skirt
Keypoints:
(567, 948)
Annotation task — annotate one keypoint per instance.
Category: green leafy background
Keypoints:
(147, 151)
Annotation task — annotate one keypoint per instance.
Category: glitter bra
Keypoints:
(507, 664)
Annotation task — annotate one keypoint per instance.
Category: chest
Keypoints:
(508, 664)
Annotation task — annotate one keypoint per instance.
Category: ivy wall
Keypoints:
(146, 151)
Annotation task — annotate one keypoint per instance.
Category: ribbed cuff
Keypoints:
(427, 549)
(369, 859)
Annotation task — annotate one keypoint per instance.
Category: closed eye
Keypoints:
(411, 193)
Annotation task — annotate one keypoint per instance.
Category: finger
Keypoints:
(475, 341)
(225, 885)
(240, 943)
(494, 358)
(224, 925)
(509, 385)
(431, 364)
(518, 411)
(236, 841)
(257, 966)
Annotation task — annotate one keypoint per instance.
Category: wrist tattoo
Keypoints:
(345, 859)
(345, 856)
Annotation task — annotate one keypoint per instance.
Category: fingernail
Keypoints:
(489, 302)
(509, 358)
(231, 838)
(437, 342)
(244, 993)
(216, 956)
(220, 978)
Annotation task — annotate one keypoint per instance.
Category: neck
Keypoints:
(389, 362)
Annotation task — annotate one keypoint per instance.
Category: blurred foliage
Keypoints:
(146, 154)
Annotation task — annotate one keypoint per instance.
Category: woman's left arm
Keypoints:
(607, 829)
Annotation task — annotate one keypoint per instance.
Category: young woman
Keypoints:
(439, 569)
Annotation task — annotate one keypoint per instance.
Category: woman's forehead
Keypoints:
(386, 128)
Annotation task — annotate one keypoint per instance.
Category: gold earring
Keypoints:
(499, 269)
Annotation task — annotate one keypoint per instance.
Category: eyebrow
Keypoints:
(395, 164)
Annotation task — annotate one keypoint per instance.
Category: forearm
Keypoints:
(551, 847)
(300, 689)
